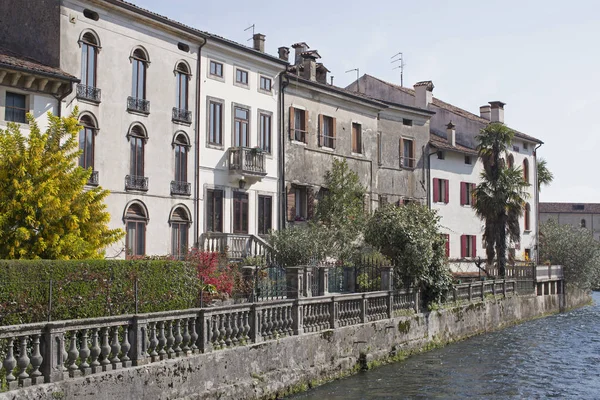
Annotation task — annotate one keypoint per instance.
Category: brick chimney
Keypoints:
(309, 63)
(423, 93)
(284, 53)
(497, 111)
(299, 48)
(321, 73)
(451, 134)
(259, 42)
(485, 112)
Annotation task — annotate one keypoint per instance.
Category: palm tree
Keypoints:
(545, 177)
(500, 197)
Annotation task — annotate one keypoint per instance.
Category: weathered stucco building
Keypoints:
(578, 215)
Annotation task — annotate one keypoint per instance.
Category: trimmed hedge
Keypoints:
(93, 288)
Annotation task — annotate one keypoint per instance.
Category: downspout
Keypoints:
(537, 206)
(429, 179)
(197, 151)
(283, 82)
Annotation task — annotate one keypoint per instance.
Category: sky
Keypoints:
(539, 57)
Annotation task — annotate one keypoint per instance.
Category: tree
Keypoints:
(544, 176)
(410, 237)
(45, 212)
(500, 197)
(341, 209)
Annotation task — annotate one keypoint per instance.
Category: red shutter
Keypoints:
(447, 189)
(436, 190)
(447, 245)
(474, 246)
(463, 246)
(463, 193)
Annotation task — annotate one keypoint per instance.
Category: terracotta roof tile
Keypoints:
(442, 144)
(572, 208)
(12, 60)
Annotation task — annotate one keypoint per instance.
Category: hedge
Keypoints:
(93, 288)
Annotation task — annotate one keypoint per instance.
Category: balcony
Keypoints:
(134, 182)
(181, 188)
(93, 180)
(247, 162)
(88, 93)
(138, 105)
(182, 115)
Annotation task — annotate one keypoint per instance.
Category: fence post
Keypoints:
(351, 281)
(255, 315)
(297, 310)
(205, 331)
(52, 349)
(139, 339)
(323, 271)
(454, 295)
(333, 313)
(483, 290)
(295, 280)
(504, 287)
(417, 294)
(390, 304)
(386, 278)
(308, 278)
(364, 303)
(470, 291)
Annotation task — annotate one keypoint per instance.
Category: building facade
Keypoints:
(578, 215)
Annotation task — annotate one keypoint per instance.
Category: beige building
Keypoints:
(579, 215)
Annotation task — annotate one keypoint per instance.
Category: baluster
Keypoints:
(72, 355)
(105, 350)
(9, 365)
(162, 340)
(178, 338)
(125, 347)
(215, 330)
(246, 326)
(279, 320)
(36, 361)
(228, 330)
(95, 352)
(170, 341)
(153, 341)
(222, 330)
(84, 353)
(23, 362)
(193, 335)
(290, 321)
(271, 323)
(115, 348)
(65, 355)
(264, 324)
(186, 336)
(234, 329)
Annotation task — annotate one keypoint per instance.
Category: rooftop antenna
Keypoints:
(401, 66)
(248, 28)
(357, 75)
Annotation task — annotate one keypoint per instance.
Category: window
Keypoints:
(440, 190)
(86, 142)
(15, 109)
(181, 146)
(265, 128)
(265, 214)
(137, 139)
(527, 254)
(441, 155)
(526, 170)
(214, 210)
(468, 246)
(356, 138)
(180, 225)
(516, 148)
(140, 63)
(408, 153)
(510, 161)
(265, 83)
(215, 123)
(297, 203)
(182, 75)
(93, 15)
(467, 194)
(525, 146)
(89, 53)
(298, 124)
(527, 217)
(183, 47)
(241, 76)
(468, 160)
(327, 131)
(446, 238)
(241, 124)
(407, 122)
(583, 223)
(216, 69)
(240, 212)
(135, 224)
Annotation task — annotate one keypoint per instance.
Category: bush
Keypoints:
(300, 245)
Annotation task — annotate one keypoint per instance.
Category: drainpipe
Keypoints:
(429, 179)
(537, 207)
(283, 82)
(197, 152)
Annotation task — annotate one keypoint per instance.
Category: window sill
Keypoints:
(214, 146)
(181, 122)
(88, 101)
(527, 232)
(267, 92)
(325, 148)
(357, 154)
(216, 78)
(136, 112)
(298, 142)
(242, 85)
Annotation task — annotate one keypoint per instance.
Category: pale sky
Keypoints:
(539, 57)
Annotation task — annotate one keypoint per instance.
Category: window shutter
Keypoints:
(447, 190)
(291, 203)
(463, 246)
(463, 193)
(474, 246)
(310, 203)
(334, 131)
(305, 126)
(413, 162)
(292, 120)
(400, 154)
(473, 186)
(447, 245)
(436, 190)
(320, 131)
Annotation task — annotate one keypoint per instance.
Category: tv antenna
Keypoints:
(248, 28)
(357, 76)
(401, 66)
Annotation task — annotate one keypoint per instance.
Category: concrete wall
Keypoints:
(273, 369)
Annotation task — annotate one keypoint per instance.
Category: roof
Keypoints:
(570, 208)
(442, 144)
(11, 60)
(452, 108)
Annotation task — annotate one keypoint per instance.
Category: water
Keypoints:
(554, 357)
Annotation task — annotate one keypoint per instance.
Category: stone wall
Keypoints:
(275, 368)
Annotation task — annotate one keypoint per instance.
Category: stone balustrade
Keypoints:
(478, 290)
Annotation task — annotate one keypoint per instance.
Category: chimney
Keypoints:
(331, 77)
(423, 93)
(451, 134)
(497, 111)
(485, 112)
(259, 42)
(284, 53)
(310, 65)
(299, 48)
(322, 73)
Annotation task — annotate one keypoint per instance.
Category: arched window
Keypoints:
(86, 141)
(527, 217)
(180, 225)
(137, 140)
(139, 60)
(89, 55)
(510, 161)
(181, 146)
(526, 170)
(583, 223)
(182, 75)
(136, 218)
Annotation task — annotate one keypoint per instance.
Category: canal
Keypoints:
(554, 357)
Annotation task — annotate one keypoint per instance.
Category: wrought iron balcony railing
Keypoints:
(182, 115)
(134, 182)
(139, 105)
(246, 161)
(93, 180)
(89, 93)
(181, 188)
